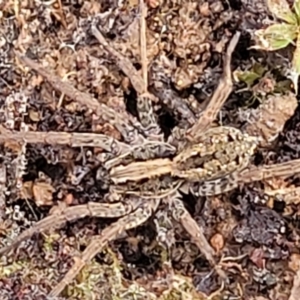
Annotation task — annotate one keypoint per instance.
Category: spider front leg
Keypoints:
(248, 175)
(284, 170)
(73, 139)
(123, 122)
(144, 99)
(147, 116)
(219, 97)
(136, 218)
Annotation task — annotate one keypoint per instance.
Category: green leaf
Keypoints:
(296, 64)
(277, 44)
(275, 37)
(296, 56)
(247, 77)
(297, 9)
(283, 30)
(281, 10)
(259, 69)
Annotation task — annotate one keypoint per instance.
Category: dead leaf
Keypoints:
(217, 242)
(34, 115)
(26, 190)
(42, 193)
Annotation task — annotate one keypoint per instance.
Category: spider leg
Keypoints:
(92, 209)
(227, 183)
(147, 117)
(182, 215)
(136, 218)
(122, 62)
(219, 97)
(176, 106)
(74, 139)
(144, 99)
(284, 169)
(124, 123)
(123, 153)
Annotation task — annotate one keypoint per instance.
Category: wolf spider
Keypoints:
(140, 171)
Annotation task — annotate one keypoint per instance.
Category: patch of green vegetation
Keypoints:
(103, 281)
(282, 33)
(48, 241)
(106, 281)
(8, 270)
